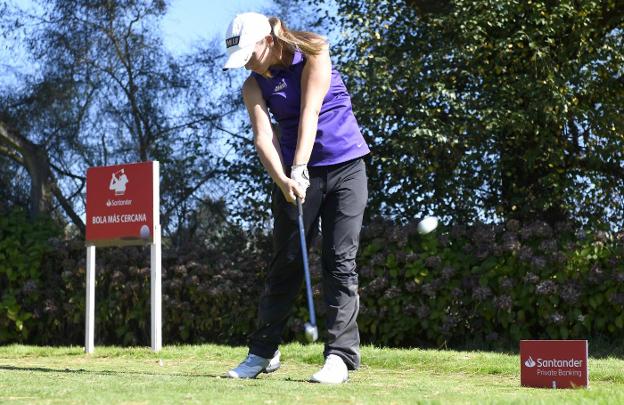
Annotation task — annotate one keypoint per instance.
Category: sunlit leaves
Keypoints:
(490, 109)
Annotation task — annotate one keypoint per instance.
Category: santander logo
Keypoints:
(574, 363)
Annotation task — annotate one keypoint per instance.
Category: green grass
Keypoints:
(192, 374)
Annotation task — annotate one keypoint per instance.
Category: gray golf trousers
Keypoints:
(337, 195)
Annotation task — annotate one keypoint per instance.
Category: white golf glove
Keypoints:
(299, 173)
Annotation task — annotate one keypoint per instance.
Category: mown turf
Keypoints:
(192, 374)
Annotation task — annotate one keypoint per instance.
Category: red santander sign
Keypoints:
(554, 363)
(122, 204)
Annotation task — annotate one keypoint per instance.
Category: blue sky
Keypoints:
(190, 21)
(187, 22)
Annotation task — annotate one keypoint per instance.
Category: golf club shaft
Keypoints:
(306, 270)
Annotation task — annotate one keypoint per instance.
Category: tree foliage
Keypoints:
(109, 92)
(489, 109)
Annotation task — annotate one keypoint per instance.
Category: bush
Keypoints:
(489, 285)
(481, 286)
(23, 243)
(210, 293)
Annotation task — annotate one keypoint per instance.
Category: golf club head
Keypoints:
(311, 332)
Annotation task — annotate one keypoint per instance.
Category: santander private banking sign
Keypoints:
(554, 363)
(122, 204)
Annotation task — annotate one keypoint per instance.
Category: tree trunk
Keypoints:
(42, 183)
(38, 166)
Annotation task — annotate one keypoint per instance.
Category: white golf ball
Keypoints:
(427, 225)
(145, 232)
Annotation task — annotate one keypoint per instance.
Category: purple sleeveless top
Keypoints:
(338, 136)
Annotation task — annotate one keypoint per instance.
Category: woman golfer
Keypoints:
(316, 156)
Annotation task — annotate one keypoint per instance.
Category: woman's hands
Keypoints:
(295, 185)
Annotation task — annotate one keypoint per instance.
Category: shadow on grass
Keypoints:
(102, 372)
(114, 373)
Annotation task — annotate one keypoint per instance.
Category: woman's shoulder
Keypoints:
(251, 85)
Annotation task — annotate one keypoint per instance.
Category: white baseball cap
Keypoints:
(244, 31)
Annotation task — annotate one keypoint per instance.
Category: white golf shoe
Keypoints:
(254, 365)
(333, 372)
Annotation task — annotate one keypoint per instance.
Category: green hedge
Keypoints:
(209, 293)
(490, 285)
(484, 286)
(23, 243)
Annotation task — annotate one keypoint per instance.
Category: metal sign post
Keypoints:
(156, 292)
(155, 276)
(90, 302)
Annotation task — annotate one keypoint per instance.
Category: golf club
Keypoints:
(310, 329)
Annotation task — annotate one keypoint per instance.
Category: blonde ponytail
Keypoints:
(308, 42)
